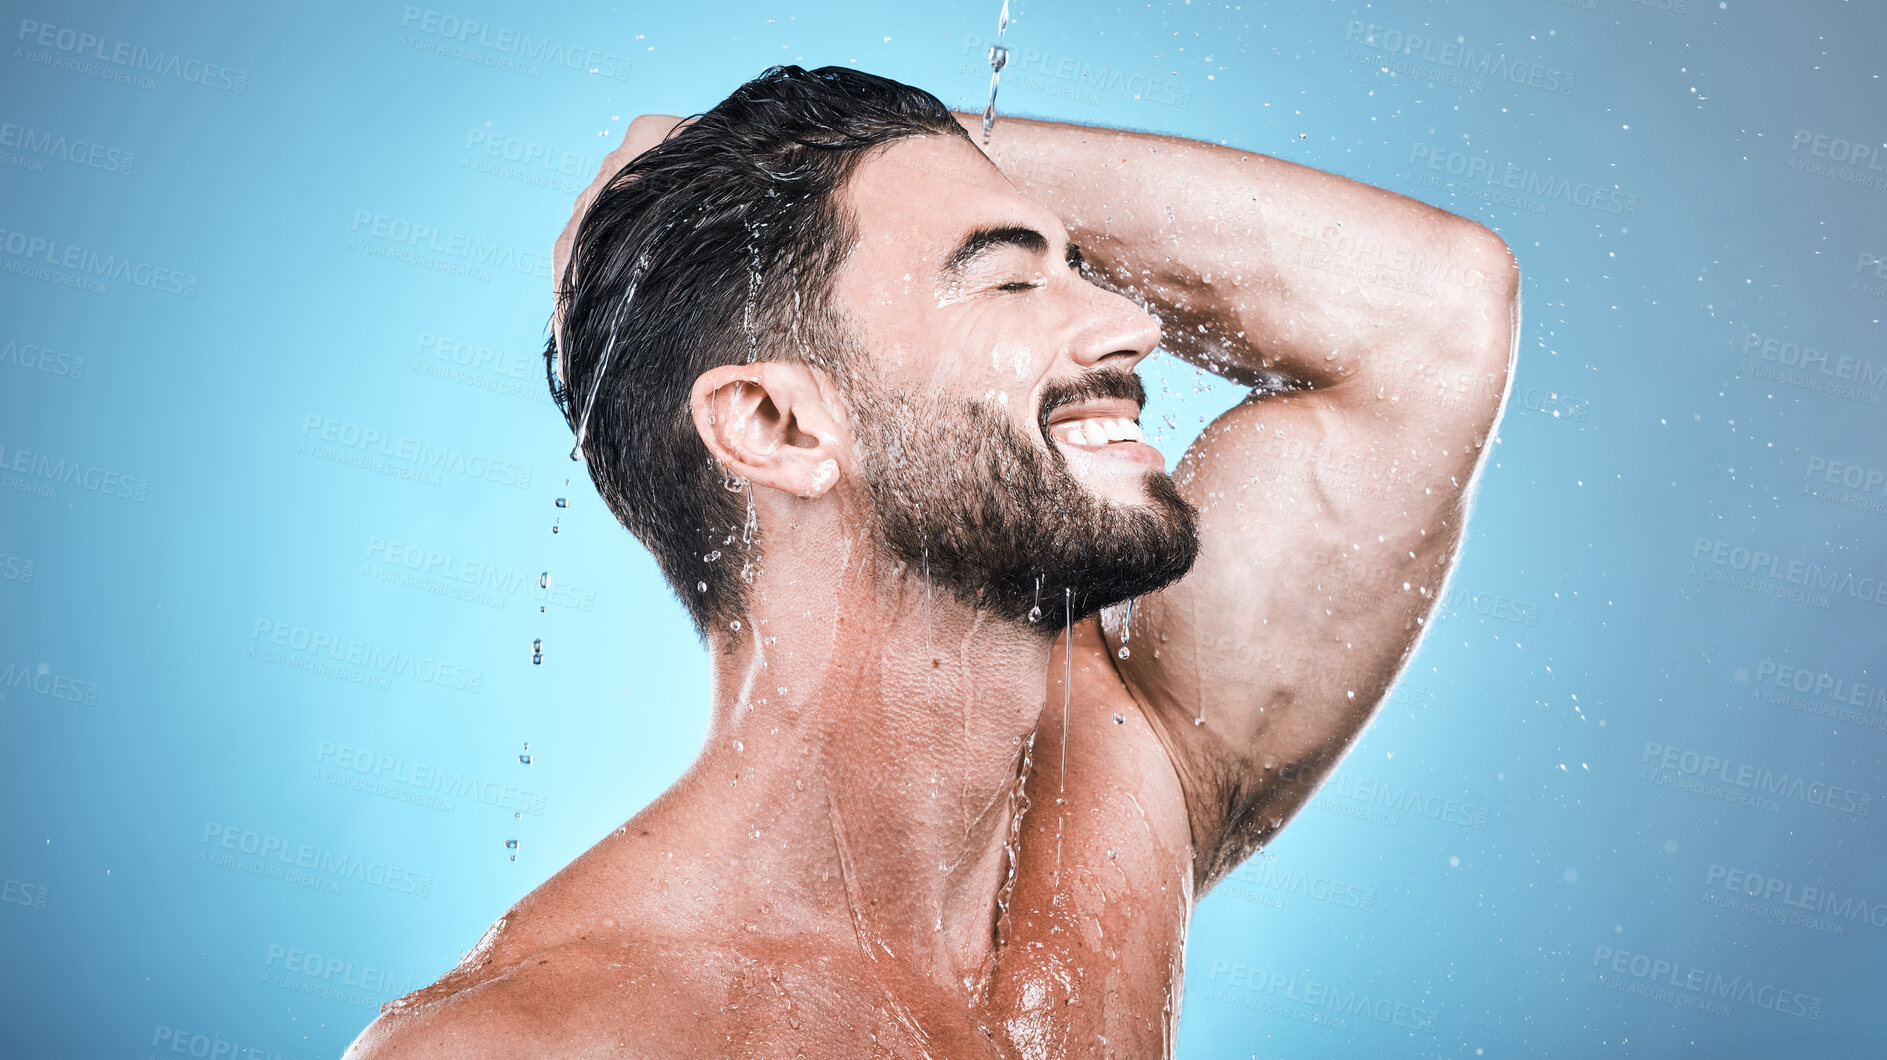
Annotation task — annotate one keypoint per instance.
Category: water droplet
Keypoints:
(543, 580)
(1123, 651)
(734, 625)
(553, 526)
(712, 556)
(701, 587)
(1119, 718)
(1035, 614)
(519, 815)
(537, 652)
(563, 502)
(527, 759)
(511, 844)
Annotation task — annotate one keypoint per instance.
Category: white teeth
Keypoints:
(1098, 431)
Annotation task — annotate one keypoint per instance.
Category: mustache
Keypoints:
(1088, 386)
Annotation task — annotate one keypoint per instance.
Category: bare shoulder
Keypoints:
(614, 995)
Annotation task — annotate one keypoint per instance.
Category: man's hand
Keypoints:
(643, 133)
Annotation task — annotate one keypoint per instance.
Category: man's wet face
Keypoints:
(994, 396)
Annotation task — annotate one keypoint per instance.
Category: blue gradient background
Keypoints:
(1579, 629)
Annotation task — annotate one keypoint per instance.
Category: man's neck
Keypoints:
(863, 763)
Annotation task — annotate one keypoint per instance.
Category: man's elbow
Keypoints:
(1490, 273)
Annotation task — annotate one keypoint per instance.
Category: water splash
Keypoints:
(1012, 846)
(998, 58)
(609, 347)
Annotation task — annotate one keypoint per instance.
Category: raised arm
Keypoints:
(1378, 334)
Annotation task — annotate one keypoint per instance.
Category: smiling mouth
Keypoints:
(1095, 423)
(1096, 431)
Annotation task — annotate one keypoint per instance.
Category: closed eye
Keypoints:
(1019, 285)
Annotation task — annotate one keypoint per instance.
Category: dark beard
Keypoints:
(1000, 522)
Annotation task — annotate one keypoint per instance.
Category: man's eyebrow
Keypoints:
(982, 240)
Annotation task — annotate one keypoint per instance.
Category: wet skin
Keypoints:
(829, 877)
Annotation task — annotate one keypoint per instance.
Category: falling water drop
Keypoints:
(998, 58)
(1126, 628)
(563, 502)
(553, 526)
(511, 844)
(1035, 613)
(543, 580)
(527, 757)
(537, 652)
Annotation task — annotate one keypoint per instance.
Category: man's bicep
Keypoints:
(1326, 527)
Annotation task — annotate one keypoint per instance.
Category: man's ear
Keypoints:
(768, 422)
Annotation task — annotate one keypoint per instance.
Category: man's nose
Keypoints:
(1113, 332)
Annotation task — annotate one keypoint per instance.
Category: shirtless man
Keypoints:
(873, 413)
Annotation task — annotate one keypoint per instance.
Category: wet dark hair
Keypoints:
(718, 246)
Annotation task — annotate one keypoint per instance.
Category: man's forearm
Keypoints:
(1253, 262)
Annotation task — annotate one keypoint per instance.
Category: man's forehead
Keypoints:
(922, 194)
